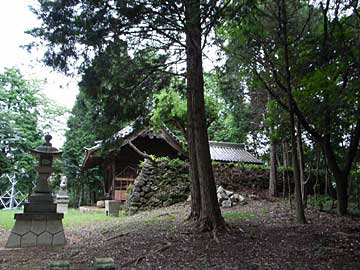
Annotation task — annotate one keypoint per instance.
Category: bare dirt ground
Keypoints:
(264, 236)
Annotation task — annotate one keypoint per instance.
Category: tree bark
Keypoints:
(210, 214)
(285, 168)
(195, 185)
(301, 164)
(300, 216)
(273, 191)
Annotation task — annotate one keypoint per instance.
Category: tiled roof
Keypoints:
(121, 134)
(219, 151)
(223, 151)
(126, 133)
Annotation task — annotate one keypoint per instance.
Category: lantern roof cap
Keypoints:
(46, 148)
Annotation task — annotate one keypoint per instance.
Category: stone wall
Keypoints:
(241, 177)
(162, 182)
(236, 177)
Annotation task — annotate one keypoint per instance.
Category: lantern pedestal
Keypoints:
(39, 225)
(37, 229)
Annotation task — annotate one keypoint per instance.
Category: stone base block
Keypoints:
(39, 207)
(37, 230)
(62, 207)
(112, 208)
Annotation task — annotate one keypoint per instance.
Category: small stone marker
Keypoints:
(104, 264)
(62, 198)
(112, 208)
(59, 265)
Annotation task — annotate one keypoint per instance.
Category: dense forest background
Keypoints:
(286, 84)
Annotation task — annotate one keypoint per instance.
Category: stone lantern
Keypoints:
(40, 224)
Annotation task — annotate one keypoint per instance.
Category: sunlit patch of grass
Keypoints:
(75, 217)
(232, 215)
(72, 217)
(7, 218)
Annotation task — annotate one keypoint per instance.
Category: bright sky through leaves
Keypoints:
(15, 18)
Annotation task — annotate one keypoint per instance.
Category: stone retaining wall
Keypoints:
(162, 182)
(236, 177)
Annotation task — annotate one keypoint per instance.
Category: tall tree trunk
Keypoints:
(300, 216)
(326, 188)
(195, 185)
(358, 191)
(301, 163)
(210, 214)
(317, 157)
(285, 168)
(273, 191)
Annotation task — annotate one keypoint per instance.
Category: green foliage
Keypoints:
(20, 110)
(277, 119)
(78, 136)
(170, 107)
(120, 86)
(130, 188)
(172, 162)
(303, 54)
(244, 102)
(244, 166)
(322, 202)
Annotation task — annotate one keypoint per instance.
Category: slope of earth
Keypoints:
(262, 235)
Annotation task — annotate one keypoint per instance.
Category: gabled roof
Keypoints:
(129, 133)
(224, 151)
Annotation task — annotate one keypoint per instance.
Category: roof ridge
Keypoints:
(227, 144)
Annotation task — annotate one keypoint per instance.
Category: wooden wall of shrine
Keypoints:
(124, 165)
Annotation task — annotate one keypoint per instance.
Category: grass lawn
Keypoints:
(7, 218)
(72, 217)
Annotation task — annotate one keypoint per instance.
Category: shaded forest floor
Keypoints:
(262, 236)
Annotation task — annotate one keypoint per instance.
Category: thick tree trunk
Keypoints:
(342, 195)
(341, 181)
(195, 185)
(210, 214)
(273, 192)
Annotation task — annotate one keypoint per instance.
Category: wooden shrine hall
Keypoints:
(127, 148)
